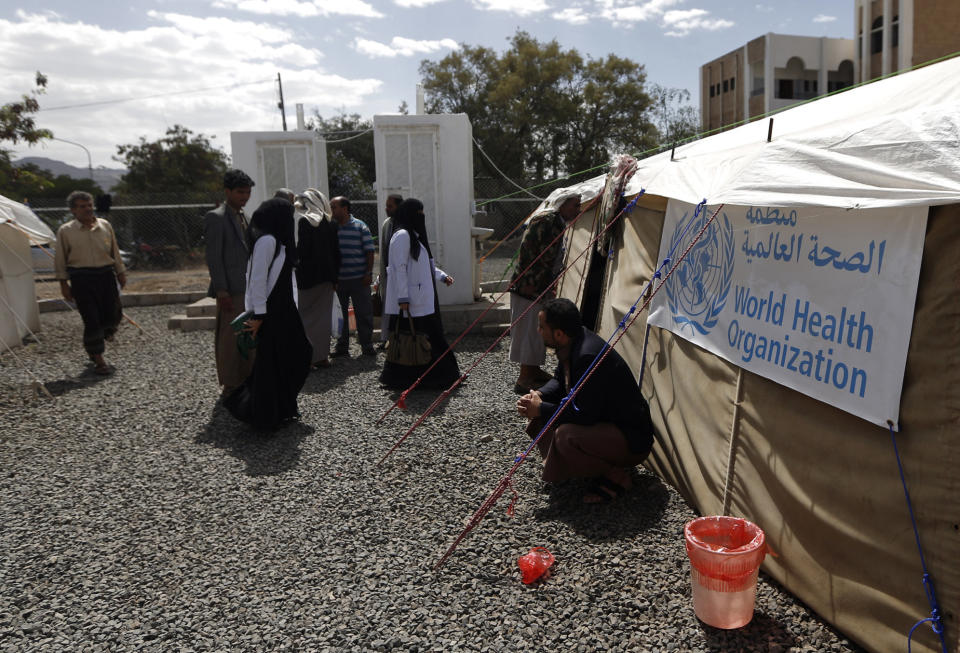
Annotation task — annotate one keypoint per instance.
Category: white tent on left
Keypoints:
(19, 229)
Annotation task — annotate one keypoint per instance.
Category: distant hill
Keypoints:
(106, 178)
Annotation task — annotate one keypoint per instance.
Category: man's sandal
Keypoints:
(603, 490)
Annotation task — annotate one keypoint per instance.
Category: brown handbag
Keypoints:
(411, 349)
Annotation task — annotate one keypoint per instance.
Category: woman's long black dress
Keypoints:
(401, 377)
(268, 397)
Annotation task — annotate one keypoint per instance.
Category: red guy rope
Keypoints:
(402, 399)
(506, 480)
(446, 393)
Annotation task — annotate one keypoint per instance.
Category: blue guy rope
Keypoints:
(935, 620)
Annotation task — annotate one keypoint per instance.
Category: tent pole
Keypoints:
(734, 436)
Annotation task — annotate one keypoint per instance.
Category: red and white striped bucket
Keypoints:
(725, 556)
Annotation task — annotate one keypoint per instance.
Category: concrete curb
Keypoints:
(132, 299)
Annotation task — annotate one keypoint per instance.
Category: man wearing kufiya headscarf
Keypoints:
(318, 254)
(541, 235)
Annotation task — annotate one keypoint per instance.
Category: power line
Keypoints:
(150, 97)
(349, 138)
(502, 174)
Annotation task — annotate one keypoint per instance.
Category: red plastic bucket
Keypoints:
(725, 556)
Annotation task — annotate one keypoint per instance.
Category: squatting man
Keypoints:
(606, 430)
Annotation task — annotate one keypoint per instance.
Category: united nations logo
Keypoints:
(697, 289)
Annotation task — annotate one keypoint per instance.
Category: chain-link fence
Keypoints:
(165, 230)
(504, 205)
(158, 231)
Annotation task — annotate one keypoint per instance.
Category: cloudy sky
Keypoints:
(121, 70)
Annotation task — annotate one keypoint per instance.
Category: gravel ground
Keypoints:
(137, 515)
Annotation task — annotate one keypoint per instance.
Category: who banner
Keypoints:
(819, 300)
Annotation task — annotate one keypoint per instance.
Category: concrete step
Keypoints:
(205, 323)
(490, 329)
(129, 299)
(206, 307)
(201, 315)
(457, 317)
(494, 287)
(155, 298)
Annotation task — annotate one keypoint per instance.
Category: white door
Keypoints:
(411, 170)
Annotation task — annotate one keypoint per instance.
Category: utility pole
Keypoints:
(283, 113)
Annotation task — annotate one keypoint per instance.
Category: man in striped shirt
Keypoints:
(356, 274)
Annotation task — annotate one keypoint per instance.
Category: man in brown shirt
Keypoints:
(88, 265)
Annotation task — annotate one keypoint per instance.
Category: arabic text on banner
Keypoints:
(820, 300)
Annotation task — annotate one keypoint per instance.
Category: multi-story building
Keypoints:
(772, 72)
(895, 35)
(775, 70)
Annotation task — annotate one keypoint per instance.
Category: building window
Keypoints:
(785, 89)
(711, 91)
(876, 36)
(733, 83)
(895, 28)
(726, 86)
(840, 78)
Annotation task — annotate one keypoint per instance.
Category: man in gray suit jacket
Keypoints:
(227, 253)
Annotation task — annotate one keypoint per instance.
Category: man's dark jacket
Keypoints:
(318, 253)
(611, 394)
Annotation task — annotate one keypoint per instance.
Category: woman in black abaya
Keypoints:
(268, 397)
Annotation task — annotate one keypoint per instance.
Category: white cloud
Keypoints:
(572, 15)
(681, 23)
(676, 22)
(415, 3)
(87, 63)
(230, 29)
(401, 47)
(823, 18)
(636, 12)
(304, 9)
(767, 9)
(518, 7)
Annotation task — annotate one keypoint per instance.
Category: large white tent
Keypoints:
(19, 229)
(822, 483)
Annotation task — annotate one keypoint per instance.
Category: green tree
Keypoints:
(179, 162)
(350, 159)
(346, 177)
(181, 167)
(29, 181)
(17, 124)
(16, 119)
(21, 182)
(538, 110)
(674, 119)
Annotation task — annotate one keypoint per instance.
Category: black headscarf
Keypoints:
(410, 218)
(274, 217)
